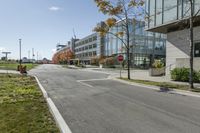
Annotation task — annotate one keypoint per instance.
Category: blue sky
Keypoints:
(41, 24)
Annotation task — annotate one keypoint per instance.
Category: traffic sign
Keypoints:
(120, 58)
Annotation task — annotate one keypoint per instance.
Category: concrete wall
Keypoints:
(185, 62)
(177, 47)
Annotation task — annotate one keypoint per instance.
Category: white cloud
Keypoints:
(2, 49)
(54, 8)
(53, 51)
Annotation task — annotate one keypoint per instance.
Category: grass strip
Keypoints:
(22, 106)
(13, 66)
(163, 84)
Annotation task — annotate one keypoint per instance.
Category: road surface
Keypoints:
(91, 103)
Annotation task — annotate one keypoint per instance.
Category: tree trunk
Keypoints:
(191, 46)
(128, 58)
(128, 50)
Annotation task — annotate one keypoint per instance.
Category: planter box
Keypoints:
(157, 71)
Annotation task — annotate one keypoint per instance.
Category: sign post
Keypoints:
(120, 59)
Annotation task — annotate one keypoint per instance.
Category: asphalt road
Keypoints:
(90, 103)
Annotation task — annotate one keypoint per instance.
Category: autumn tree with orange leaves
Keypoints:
(123, 10)
(63, 56)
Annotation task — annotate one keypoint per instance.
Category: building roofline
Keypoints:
(93, 34)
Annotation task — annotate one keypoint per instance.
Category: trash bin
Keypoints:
(23, 70)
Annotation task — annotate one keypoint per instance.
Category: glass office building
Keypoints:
(165, 12)
(145, 46)
(171, 17)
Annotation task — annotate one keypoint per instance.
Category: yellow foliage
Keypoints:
(120, 34)
(116, 10)
(111, 22)
(101, 30)
(136, 3)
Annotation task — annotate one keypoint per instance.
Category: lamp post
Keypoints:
(20, 54)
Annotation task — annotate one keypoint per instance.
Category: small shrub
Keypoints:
(182, 74)
(95, 61)
(158, 64)
(110, 61)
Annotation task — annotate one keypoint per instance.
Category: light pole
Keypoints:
(33, 55)
(20, 54)
(37, 56)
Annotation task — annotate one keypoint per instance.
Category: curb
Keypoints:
(175, 91)
(64, 128)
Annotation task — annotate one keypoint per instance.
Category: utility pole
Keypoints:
(29, 55)
(191, 80)
(37, 56)
(33, 55)
(20, 52)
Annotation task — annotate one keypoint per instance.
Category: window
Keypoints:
(94, 38)
(94, 53)
(152, 13)
(170, 10)
(86, 41)
(197, 6)
(90, 47)
(94, 45)
(197, 50)
(90, 40)
(186, 8)
(86, 47)
(159, 12)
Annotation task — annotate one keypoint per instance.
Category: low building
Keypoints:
(171, 18)
(86, 48)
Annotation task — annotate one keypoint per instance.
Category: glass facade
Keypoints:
(166, 11)
(145, 46)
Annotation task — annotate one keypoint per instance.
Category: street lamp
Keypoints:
(20, 54)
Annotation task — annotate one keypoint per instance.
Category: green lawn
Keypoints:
(13, 66)
(163, 84)
(22, 106)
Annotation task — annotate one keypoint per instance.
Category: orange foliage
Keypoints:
(63, 56)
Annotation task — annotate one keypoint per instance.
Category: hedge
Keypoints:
(182, 74)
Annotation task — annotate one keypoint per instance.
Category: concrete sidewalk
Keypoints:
(9, 71)
(138, 74)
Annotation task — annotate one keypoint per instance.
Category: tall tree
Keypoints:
(125, 11)
(192, 19)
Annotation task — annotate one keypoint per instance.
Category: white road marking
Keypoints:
(81, 82)
(91, 80)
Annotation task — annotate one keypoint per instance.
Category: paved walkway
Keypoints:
(9, 71)
(137, 74)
